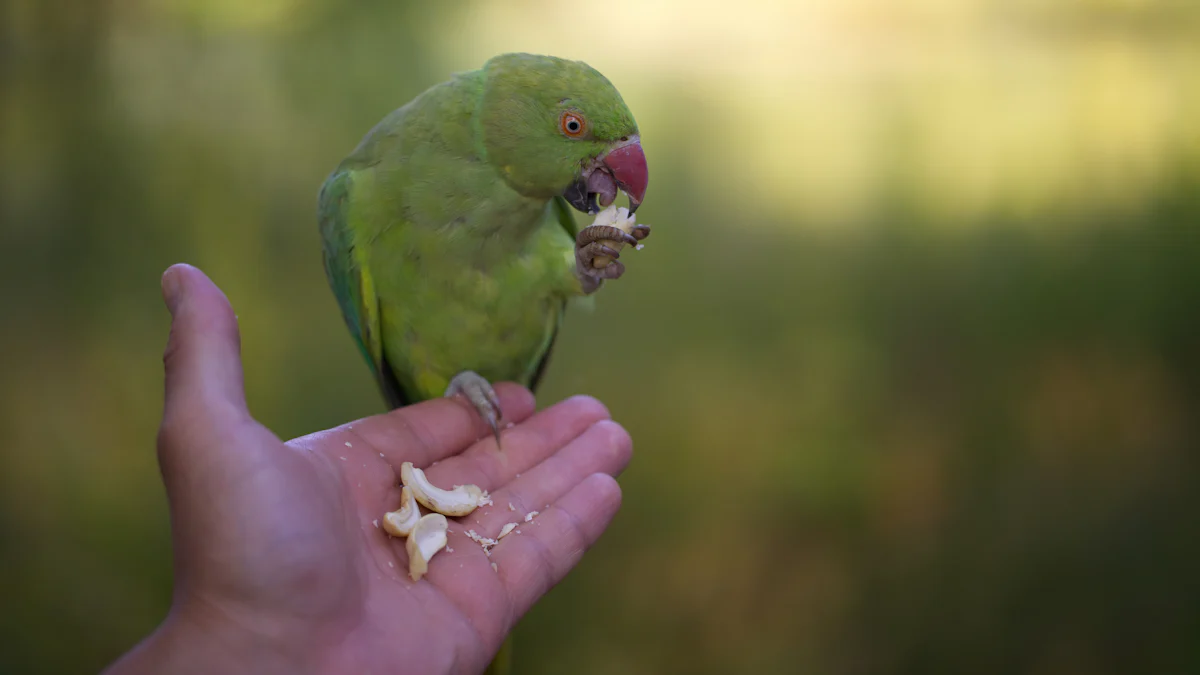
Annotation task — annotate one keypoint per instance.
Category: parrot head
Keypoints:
(557, 127)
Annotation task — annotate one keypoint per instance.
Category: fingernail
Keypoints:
(170, 289)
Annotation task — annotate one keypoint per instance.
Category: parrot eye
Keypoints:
(572, 124)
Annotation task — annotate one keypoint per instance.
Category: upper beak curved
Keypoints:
(628, 166)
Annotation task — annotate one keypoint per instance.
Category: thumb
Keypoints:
(203, 377)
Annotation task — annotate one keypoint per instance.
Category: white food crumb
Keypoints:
(529, 516)
(505, 530)
(341, 458)
(348, 444)
(639, 247)
(509, 425)
(511, 507)
(518, 532)
(495, 568)
(390, 564)
(449, 550)
(375, 523)
(381, 454)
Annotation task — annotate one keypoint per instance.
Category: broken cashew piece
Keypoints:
(399, 523)
(427, 537)
(460, 501)
(620, 218)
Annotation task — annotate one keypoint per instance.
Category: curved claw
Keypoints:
(594, 249)
(482, 397)
(640, 232)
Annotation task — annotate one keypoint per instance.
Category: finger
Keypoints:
(202, 361)
(531, 564)
(525, 445)
(432, 430)
(604, 448)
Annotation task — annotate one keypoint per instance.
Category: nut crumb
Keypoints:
(390, 564)
(495, 568)
(505, 530)
(348, 444)
(341, 458)
(375, 523)
(381, 454)
(529, 516)
(449, 550)
(518, 532)
(511, 507)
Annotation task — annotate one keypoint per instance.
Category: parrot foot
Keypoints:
(640, 231)
(589, 245)
(481, 395)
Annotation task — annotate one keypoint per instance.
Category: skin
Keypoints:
(278, 565)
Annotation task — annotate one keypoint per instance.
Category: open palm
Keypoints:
(281, 563)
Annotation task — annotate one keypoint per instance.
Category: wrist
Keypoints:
(191, 642)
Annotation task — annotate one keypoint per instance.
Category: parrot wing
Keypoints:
(353, 286)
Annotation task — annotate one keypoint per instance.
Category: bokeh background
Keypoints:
(912, 361)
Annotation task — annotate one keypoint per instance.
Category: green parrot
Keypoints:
(448, 237)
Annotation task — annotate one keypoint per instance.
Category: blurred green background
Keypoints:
(920, 320)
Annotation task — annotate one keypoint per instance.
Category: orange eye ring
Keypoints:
(572, 124)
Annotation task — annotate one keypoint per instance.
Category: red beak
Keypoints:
(628, 166)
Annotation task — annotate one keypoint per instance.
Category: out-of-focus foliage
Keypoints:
(920, 319)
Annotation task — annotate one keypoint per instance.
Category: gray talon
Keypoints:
(481, 395)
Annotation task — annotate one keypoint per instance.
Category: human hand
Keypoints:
(279, 563)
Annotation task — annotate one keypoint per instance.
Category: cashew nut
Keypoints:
(620, 218)
(460, 501)
(425, 539)
(399, 523)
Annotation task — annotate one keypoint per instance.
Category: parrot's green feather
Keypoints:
(352, 283)
(446, 244)
(562, 211)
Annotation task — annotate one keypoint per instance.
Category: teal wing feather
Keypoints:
(352, 283)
